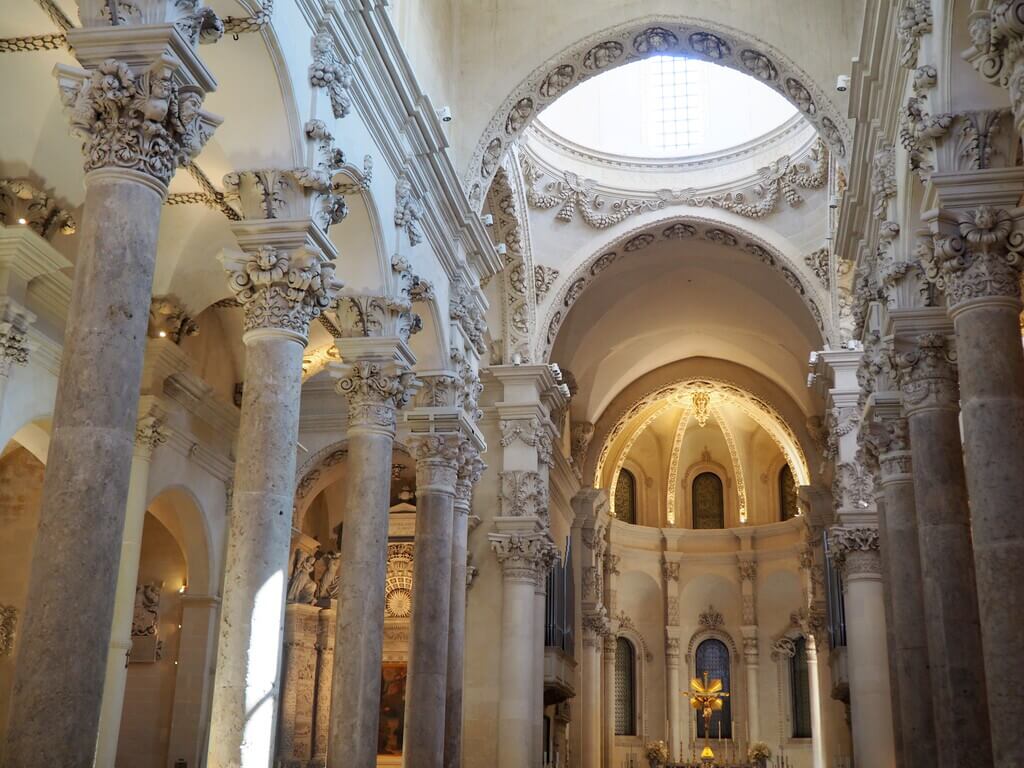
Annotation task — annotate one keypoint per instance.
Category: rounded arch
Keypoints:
(676, 228)
(181, 513)
(637, 39)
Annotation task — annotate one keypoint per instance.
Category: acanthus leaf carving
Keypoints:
(523, 493)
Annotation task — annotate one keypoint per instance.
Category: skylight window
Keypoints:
(666, 107)
(676, 91)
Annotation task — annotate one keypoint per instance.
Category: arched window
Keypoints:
(625, 497)
(625, 688)
(787, 493)
(708, 501)
(800, 691)
(713, 658)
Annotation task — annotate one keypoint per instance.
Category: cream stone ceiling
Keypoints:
(680, 300)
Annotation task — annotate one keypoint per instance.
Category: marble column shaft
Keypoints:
(674, 723)
(902, 559)
(324, 666)
(247, 686)
(958, 686)
(469, 473)
(608, 699)
(55, 708)
(992, 400)
(149, 434)
(818, 736)
(375, 387)
(437, 460)
(870, 703)
(521, 557)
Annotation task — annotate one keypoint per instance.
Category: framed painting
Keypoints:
(391, 726)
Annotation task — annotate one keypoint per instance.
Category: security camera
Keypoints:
(502, 249)
(488, 219)
(842, 83)
(445, 113)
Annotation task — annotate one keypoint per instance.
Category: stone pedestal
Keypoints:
(324, 665)
(437, 461)
(857, 552)
(149, 433)
(959, 701)
(377, 381)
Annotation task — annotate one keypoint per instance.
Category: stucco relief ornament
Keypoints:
(14, 344)
(855, 550)
(329, 72)
(883, 179)
(915, 20)
(748, 570)
(150, 432)
(375, 391)
(543, 279)
(997, 50)
(711, 619)
(280, 289)
(818, 261)
(21, 200)
(783, 648)
(853, 486)
(141, 121)
(670, 570)
(523, 493)
(984, 261)
(521, 556)
(408, 211)
(437, 460)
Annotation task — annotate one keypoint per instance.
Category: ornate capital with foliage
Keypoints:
(982, 261)
(889, 440)
(997, 50)
(471, 468)
(523, 556)
(281, 289)
(150, 431)
(523, 493)
(438, 457)
(855, 551)
(928, 376)
(376, 390)
(138, 119)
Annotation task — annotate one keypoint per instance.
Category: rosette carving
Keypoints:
(143, 120)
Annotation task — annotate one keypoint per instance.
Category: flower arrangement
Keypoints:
(656, 752)
(758, 751)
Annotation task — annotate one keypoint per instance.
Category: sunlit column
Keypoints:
(817, 721)
(283, 277)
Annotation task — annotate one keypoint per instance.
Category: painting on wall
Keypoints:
(390, 730)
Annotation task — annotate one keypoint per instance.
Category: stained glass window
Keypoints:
(708, 501)
(787, 493)
(801, 692)
(625, 497)
(713, 658)
(625, 688)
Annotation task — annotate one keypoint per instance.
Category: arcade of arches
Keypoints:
(453, 384)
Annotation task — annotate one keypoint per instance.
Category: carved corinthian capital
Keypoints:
(14, 323)
(928, 376)
(437, 461)
(471, 468)
(522, 556)
(889, 440)
(145, 117)
(376, 390)
(983, 261)
(855, 551)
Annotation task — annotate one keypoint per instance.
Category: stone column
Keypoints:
(521, 557)
(377, 380)
(193, 681)
(437, 461)
(149, 433)
(981, 272)
(539, 622)
(959, 702)
(295, 720)
(814, 694)
(14, 323)
(909, 647)
(324, 664)
(470, 469)
(674, 721)
(135, 88)
(748, 588)
(590, 690)
(283, 277)
(608, 699)
(856, 552)
(750, 662)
